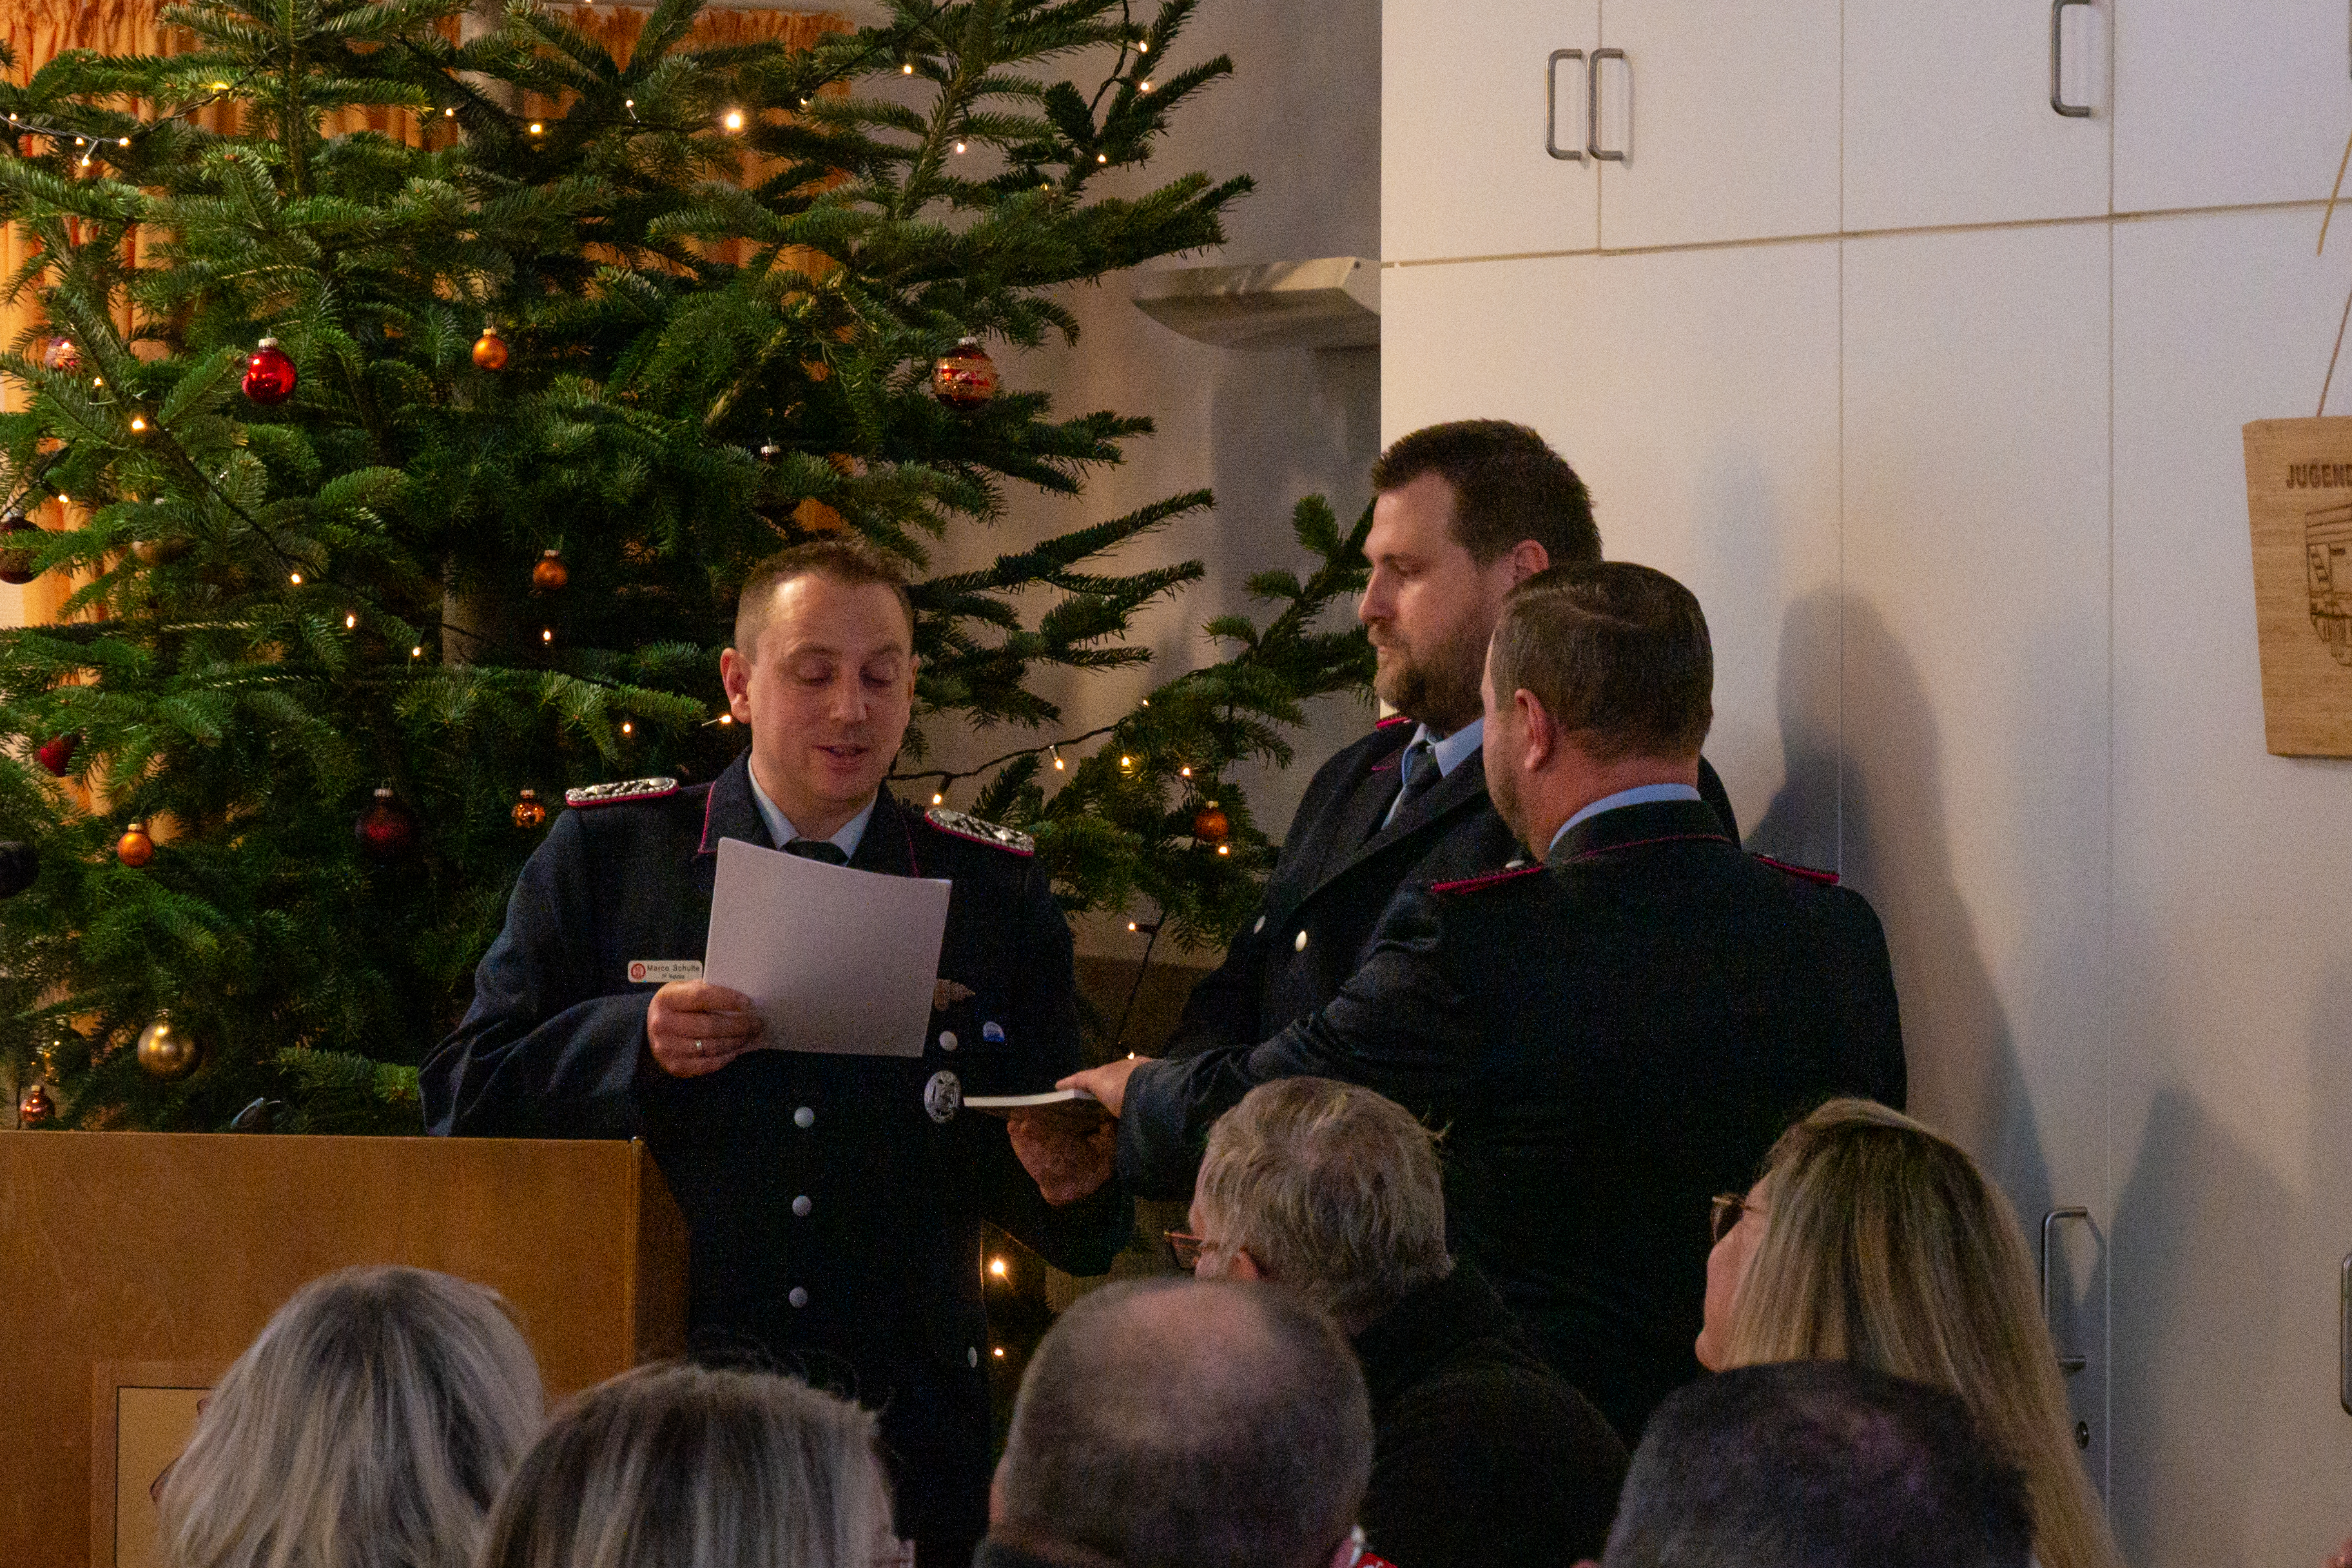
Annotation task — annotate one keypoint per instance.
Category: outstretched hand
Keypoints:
(1068, 1158)
(1106, 1083)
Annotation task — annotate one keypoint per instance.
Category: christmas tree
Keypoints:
(405, 476)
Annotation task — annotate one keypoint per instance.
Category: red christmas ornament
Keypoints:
(17, 565)
(528, 811)
(966, 379)
(489, 349)
(134, 848)
(1210, 825)
(269, 375)
(55, 754)
(61, 355)
(550, 573)
(386, 830)
(34, 1106)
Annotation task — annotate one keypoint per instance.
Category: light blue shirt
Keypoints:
(1639, 795)
(1449, 753)
(781, 829)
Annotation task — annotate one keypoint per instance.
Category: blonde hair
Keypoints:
(370, 1425)
(672, 1465)
(1885, 1244)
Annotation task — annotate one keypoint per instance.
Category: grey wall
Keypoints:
(1301, 115)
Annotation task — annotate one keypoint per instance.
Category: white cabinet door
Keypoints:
(1468, 96)
(1976, 665)
(2233, 932)
(1697, 394)
(2229, 102)
(1949, 116)
(1726, 113)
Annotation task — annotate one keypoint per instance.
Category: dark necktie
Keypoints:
(1421, 772)
(823, 850)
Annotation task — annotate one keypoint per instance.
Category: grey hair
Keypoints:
(685, 1467)
(1334, 1190)
(1188, 1424)
(368, 1426)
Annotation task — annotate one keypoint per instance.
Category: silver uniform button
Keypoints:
(947, 1040)
(972, 1355)
(803, 1117)
(1298, 943)
(800, 1207)
(797, 1296)
(1259, 927)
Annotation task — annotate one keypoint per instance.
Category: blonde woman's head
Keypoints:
(1872, 1238)
(370, 1425)
(683, 1465)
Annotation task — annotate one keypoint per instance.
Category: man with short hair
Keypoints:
(1482, 1456)
(834, 1202)
(1610, 1037)
(1818, 1464)
(1462, 513)
(1183, 1424)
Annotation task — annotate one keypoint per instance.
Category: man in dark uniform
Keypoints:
(1607, 1039)
(1462, 513)
(834, 1202)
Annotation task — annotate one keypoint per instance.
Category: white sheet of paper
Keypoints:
(834, 960)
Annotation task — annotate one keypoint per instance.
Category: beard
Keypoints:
(1439, 688)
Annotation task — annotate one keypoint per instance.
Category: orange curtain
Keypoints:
(37, 31)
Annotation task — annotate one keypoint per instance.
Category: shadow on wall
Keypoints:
(2194, 1387)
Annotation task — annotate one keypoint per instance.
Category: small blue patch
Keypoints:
(993, 1033)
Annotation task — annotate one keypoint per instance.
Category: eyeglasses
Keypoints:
(1186, 1249)
(1729, 1207)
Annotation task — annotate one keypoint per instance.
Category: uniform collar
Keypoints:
(1639, 795)
(1657, 822)
(781, 830)
(1450, 751)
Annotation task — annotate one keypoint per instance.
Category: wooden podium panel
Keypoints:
(124, 1250)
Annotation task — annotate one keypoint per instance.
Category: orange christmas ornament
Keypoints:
(134, 848)
(34, 1106)
(550, 573)
(528, 811)
(1210, 824)
(489, 349)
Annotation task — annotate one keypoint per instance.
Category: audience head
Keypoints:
(675, 1465)
(1461, 512)
(1184, 1423)
(1599, 677)
(822, 674)
(1329, 1190)
(1817, 1464)
(372, 1423)
(1872, 1239)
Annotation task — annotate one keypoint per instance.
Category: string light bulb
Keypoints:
(958, 146)
(547, 634)
(1185, 772)
(996, 1267)
(734, 119)
(937, 799)
(1126, 765)
(1055, 753)
(295, 578)
(449, 114)
(417, 652)
(537, 129)
(628, 103)
(1102, 157)
(1143, 46)
(907, 68)
(727, 718)
(1131, 926)
(138, 424)
(124, 143)
(1224, 849)
(350, 623)
(1147, 84)
(628, 729)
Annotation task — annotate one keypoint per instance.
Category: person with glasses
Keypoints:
(1482, 1456)
(1609, 1037)
(1181, 1423)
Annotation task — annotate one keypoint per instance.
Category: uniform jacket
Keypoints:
(1483, 1457)
(834, 1218)
(1607, 1041)
(1338, 872)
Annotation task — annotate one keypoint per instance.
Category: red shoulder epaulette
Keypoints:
(1492, 879)
(616, 794)
(1393, 720)
(965, 826)
(1830, 878)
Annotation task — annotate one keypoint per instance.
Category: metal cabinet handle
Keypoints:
(1593, 99)
(1551, 105)
(2344, 1337)
(2070, 1365)
(2057, 47)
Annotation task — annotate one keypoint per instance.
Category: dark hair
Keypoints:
(1818, 1464)
(1508, 486)
(1189, 1424)
(850, 562)
(1617, 654)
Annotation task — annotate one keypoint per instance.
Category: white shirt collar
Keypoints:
(1639, 795)
(782, 832)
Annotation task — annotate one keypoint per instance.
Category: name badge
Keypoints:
(662, 971)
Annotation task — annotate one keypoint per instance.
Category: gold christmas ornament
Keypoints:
(164, 1051)
(528, 811)
(134, 848)
(489, 349)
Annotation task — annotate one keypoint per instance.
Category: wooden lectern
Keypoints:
(134, 1267)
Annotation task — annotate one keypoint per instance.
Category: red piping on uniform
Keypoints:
(1827, 878)
(703, 847)
(1393, 720)
(914, 867)
(1487, 881)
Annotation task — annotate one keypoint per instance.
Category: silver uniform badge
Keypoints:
(943, 1097)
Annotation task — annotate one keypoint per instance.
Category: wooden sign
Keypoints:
(2299, 503)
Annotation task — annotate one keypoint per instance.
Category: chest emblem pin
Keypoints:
(942, 1097)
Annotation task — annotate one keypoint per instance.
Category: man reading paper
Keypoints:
(833, 1201)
